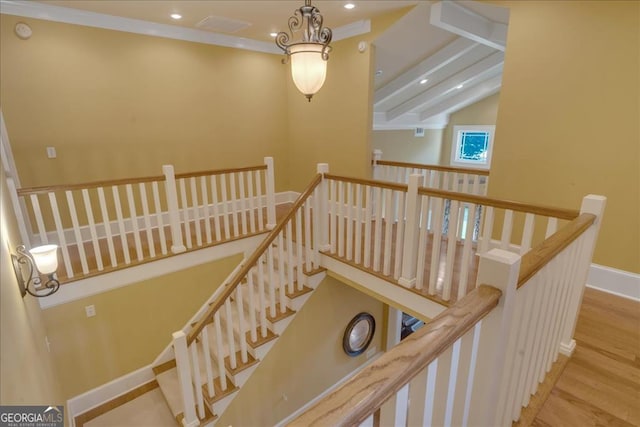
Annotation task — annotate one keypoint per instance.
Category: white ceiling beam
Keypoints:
(410, 121)
(427, 66)
(463, 99)
(459, 20)
(487, 65)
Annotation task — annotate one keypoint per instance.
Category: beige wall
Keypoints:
(569, 114)
(483, 112)
(132, 325)
(118, 105)
(27, 372)
(335, 127)
(307, 359)
(403, 146)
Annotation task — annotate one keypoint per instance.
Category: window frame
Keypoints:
(456, 140)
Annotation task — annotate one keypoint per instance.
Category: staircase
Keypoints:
(207, 366)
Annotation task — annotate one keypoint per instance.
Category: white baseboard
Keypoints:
(613, 281)
(106, 392)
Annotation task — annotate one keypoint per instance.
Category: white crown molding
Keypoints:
(31, 9)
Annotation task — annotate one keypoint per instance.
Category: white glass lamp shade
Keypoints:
(308, 69)
(46, 258)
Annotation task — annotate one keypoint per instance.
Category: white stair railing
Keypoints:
(101, 226)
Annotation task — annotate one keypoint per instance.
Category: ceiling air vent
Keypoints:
(220, 24)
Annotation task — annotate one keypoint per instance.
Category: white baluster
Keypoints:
(349, 219)
(206, 347)
(259, 200)
(76, 232)
(214, 202)
(435, 247)
(527, 234)
(243, 205)
(147, 220)
(367, 225)
(466, 253)
(184, 377)
(234, 204)
(205, 208)
(177, 245)
(252, 204)
(341, 219)
(334, 217)
(107, 227)
(423, 240)
(35, 205)
(323, 209)
(60, 232)
(242, 328)
(290, 277)
(388, 229)
(253, 326)
(358, 235)
(300, 274)
(220, 351)
(123, 232)
(400, 237)
(271, 193)
(307, 236)
(134, 221)
(195, 366)
(485, 241)
(231, 342)
(195, 209)
(261, 298)
(92, 229)
(225, 207)
(185, 213)
(158, 215)
(377, 237)
(272, 291)
(281, 287)
(507, 226)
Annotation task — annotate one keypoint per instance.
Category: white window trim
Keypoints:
(455, 141)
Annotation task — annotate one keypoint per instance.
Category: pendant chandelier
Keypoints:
(309, 55)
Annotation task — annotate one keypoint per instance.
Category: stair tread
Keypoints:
(240, 365)
(261, 340)
(169, 383)
(279, 315)
(218, 393)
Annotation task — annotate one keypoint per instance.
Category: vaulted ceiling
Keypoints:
(437, 59)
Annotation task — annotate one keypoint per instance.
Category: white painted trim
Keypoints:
(567, 349)
(95, 285)
(401, 298)
(455, 144)
(613, 281)
(328, 391)
(286, 197)
(109, 391)
(32, 9)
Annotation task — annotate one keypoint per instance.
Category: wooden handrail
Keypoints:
(560, 213)
(362, 395)
(482, 172)
(540, 256)
(94, 184)
(249, 263)
(49, 188)
(568, 214)
(220, 171)
(370, 182)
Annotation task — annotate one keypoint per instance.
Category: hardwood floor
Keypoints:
(600, 385)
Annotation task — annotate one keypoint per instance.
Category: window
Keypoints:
(472, 146)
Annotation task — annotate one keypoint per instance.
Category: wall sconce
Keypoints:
(308, 56)
(45, 260)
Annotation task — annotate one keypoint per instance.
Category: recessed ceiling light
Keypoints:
(459, 87)
(176, 16)
(423, 81)
(349, 6)
(273, 34)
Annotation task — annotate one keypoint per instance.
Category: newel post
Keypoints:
(593, 205)
(271, 193)
(323, 210)
(411, 232)
(184, 378)
(377, 156)
(177, 245)
(498, 268)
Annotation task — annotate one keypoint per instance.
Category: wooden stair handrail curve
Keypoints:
(560, 213)
(251, 261)
(354, 401)
(542, 254)
(482, 172)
